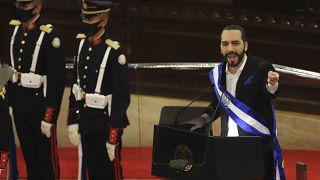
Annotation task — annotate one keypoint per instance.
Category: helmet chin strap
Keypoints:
(33, 19)
(98, 34)
(29, 24)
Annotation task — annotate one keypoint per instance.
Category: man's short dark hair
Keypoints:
(236, 27)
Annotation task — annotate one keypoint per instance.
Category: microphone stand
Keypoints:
(184, 108)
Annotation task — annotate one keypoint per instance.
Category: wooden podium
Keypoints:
(182, 154)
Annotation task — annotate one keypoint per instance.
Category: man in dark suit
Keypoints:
(100, 94)
(243, 89)
(36, 90)
(250, 79)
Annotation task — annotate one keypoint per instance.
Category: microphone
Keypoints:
(184, 108)
(209, 120)
(178, 164)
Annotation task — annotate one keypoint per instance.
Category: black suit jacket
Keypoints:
(251, 90)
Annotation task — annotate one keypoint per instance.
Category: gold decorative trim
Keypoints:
(95, 12)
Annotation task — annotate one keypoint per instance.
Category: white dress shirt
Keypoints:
(231, 80)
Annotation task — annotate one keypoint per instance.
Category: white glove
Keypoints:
(197, 123)
(111, 149)
(46, 128)
(73, 132)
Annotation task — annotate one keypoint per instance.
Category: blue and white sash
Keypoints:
(248, 119)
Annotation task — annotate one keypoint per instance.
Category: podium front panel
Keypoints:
(167, 141)
(242, 158)
(214, 158)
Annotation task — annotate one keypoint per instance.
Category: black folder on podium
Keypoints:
(181, 154)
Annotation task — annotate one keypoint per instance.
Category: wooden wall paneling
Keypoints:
(7, 13)
(189, 31)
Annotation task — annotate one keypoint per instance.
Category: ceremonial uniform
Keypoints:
(101, 124)
(100, 94)
(5, 128)
(35, 94)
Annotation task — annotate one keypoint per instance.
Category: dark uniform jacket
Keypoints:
(115, 82)
(251, 90)
(50, 62)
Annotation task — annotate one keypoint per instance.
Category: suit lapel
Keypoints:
(243, 76)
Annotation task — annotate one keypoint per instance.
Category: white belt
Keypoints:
(92, 100)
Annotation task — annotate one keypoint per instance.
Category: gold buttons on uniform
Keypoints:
(19, 67)
(37, 94)
(21, 50)
(84, 86)
(19, 59)
(90, 49)
(84, 76)
(23, 42)
(25, 34)
(86, 67)
(88, 58)
(97, 71)
(84, 105)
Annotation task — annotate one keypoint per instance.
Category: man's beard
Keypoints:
(238, 57)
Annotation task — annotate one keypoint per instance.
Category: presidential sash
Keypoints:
(248, 119)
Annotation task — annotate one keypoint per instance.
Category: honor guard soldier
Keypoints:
(37, 87)
(100, 94)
